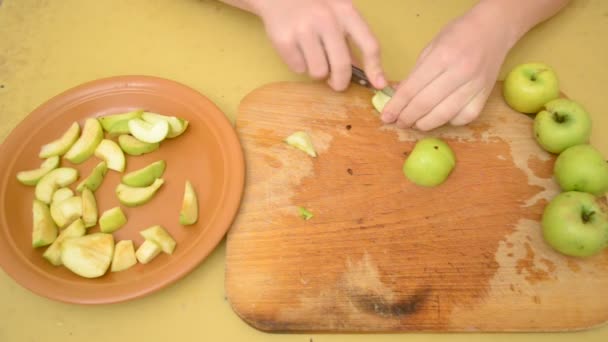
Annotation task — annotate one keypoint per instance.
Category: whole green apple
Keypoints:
(529, 86)
(576, 224)
(582, 168)
(561, 124)
(430, 162)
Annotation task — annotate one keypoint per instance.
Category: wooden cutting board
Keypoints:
(382, 254)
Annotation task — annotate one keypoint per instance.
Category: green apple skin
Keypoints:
(561, 124)
(177, 126)
(60, 177)
(149, 132)
(117, 124)
(95, 178)
(430, 162)
(131, 146)
(575, 224)
(582, 168)
(60, 146)
(529, 86)
(32, 177)
(132, 196)
(85, 146)
(112, 220)
(145, 176)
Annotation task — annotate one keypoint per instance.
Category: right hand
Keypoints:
(311, 36)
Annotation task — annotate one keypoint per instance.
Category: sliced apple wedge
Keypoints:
(145, 176)
(89, 208)
(45, 231)
(177, 126)
(95, 178)
(111, 220)
(161, 237)
(60, 146)
(53, 253)
(133, 197)
(112, 154)
(149, 132)
(301, 140)
(88, 256)
(57, 178)
(85, 146)
(147, 251)
(66, 211)
(116, 124)
(134, 147)
(189, 212)
(379, 100)
(124, 256)
(62, 194)
(32, 177)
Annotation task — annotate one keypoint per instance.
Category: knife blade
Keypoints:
(359, 77)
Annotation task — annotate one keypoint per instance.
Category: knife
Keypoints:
(359, 77)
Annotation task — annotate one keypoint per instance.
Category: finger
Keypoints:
(429, 97)
(338, 55)
(363, 37)
(314, 54)
(449, 108)
(420, 77)
(472, 110)
(290, 53)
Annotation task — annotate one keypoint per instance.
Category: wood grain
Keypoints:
(382, 254)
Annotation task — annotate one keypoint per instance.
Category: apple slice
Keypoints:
(45, 231)
(112, 154)
(62, 194)
(32, 177)
(57, 178)
(147, 251)
(145, 176)
(379, 100)
(116, 124)
(160, 236)
(134, 147)
(89, 208)
(301, 140)
(305, 214)
(148, 132)
(124, 256)
(61, 145)
(133, 197)
(95, 178)
(66, 211)
(88, 256)
(111, 220)
(85, 146)
(177, 126)
(53, 253)
(189, 212)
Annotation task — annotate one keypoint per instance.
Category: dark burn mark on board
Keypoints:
(350, 171)
(348, 127)
(378, 305)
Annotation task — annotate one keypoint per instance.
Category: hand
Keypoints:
(453, 76)
(311, 36)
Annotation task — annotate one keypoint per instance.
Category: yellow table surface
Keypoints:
(47, 47)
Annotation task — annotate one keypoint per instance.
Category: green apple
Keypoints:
(89, 208)
(576, 224)
(177, 126)
(188, 215)
(145, 176)
(582, 168)
(95, 178)
(57, 178)
(88, 256)
(110, 152)
(124, 256)
(147, 251)
(45, 231)
(85, 146)
(60, 146)
(62, 194)
(301, 140)
(149, 132)
(111, 220)
(561, 124)
(305, 213)
(32, 177)
(529, 86)
(161, 237)
(134, 147)
(66, 211)
(53, 253)
(379, 100)
(430, 162)
(133, 197)
(116, 124)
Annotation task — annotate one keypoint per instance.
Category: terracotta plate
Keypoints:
(208, 154)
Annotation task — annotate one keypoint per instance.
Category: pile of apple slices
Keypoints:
(61, 219)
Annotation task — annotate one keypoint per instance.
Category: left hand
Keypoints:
(453, 76)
